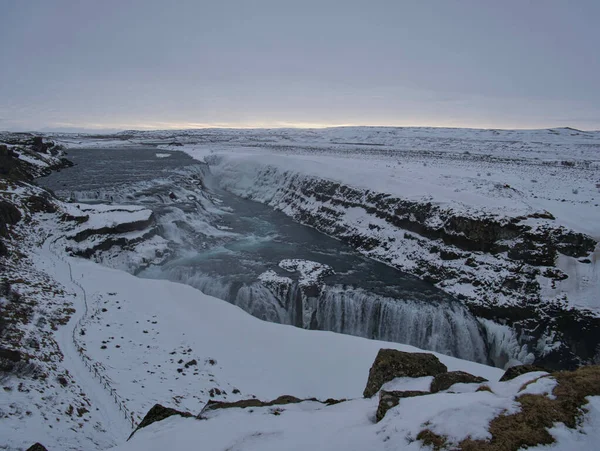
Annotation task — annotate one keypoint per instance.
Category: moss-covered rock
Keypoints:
(390, 364)
(446, 380)
(516, 371)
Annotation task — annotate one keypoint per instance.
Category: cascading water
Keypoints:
(448, 328)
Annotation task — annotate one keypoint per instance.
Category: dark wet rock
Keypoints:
(449, 255)
(124, 227)
(446, 380)
(572, 243)
(390, 399)
(159, 413)
(37, 447)
(555, 274)
(533, 253)
(9, 215)
(390, 364)
(518, 370)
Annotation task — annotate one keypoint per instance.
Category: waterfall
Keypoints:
(445, 327)
(441, 326)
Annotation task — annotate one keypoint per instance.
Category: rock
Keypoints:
(9, 215)
(389, 399)
(390, 364)
(37, 447)
(190, 363)
(245, 403)
(158, 413)
(516, 371)
(8, 359)
(449, 255)
(40, 204)
(446, 380)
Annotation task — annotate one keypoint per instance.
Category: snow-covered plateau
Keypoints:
(505, 221)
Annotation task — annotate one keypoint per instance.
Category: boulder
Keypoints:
(158, 413)
(390, 364)
(446, 380)
(37, 447)
(516, 371)
(389, 399)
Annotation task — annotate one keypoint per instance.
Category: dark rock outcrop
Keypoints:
(41, 204)
(390, 364)
(8, 359)
(158, 413)
(516, 371)
(446, 380)
(390, 399)
(9, 215)
(37, 447)
(124, 227)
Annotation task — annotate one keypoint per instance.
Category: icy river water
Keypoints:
(261, 260)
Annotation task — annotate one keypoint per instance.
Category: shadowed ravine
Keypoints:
(224, 245)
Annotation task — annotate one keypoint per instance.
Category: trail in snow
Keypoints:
(104, 401)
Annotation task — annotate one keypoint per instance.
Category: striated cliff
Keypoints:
(508, 269)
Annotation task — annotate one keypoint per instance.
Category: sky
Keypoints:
(123, 64)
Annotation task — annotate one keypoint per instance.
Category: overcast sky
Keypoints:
(164, 64)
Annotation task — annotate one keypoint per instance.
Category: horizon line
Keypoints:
(115, 130)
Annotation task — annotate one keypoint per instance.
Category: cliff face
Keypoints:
(505, 269)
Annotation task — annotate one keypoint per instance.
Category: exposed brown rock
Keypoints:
(516, 371)
(446, 380)
(390, 364)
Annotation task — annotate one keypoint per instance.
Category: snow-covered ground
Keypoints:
(462, 413)
(111, 345)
